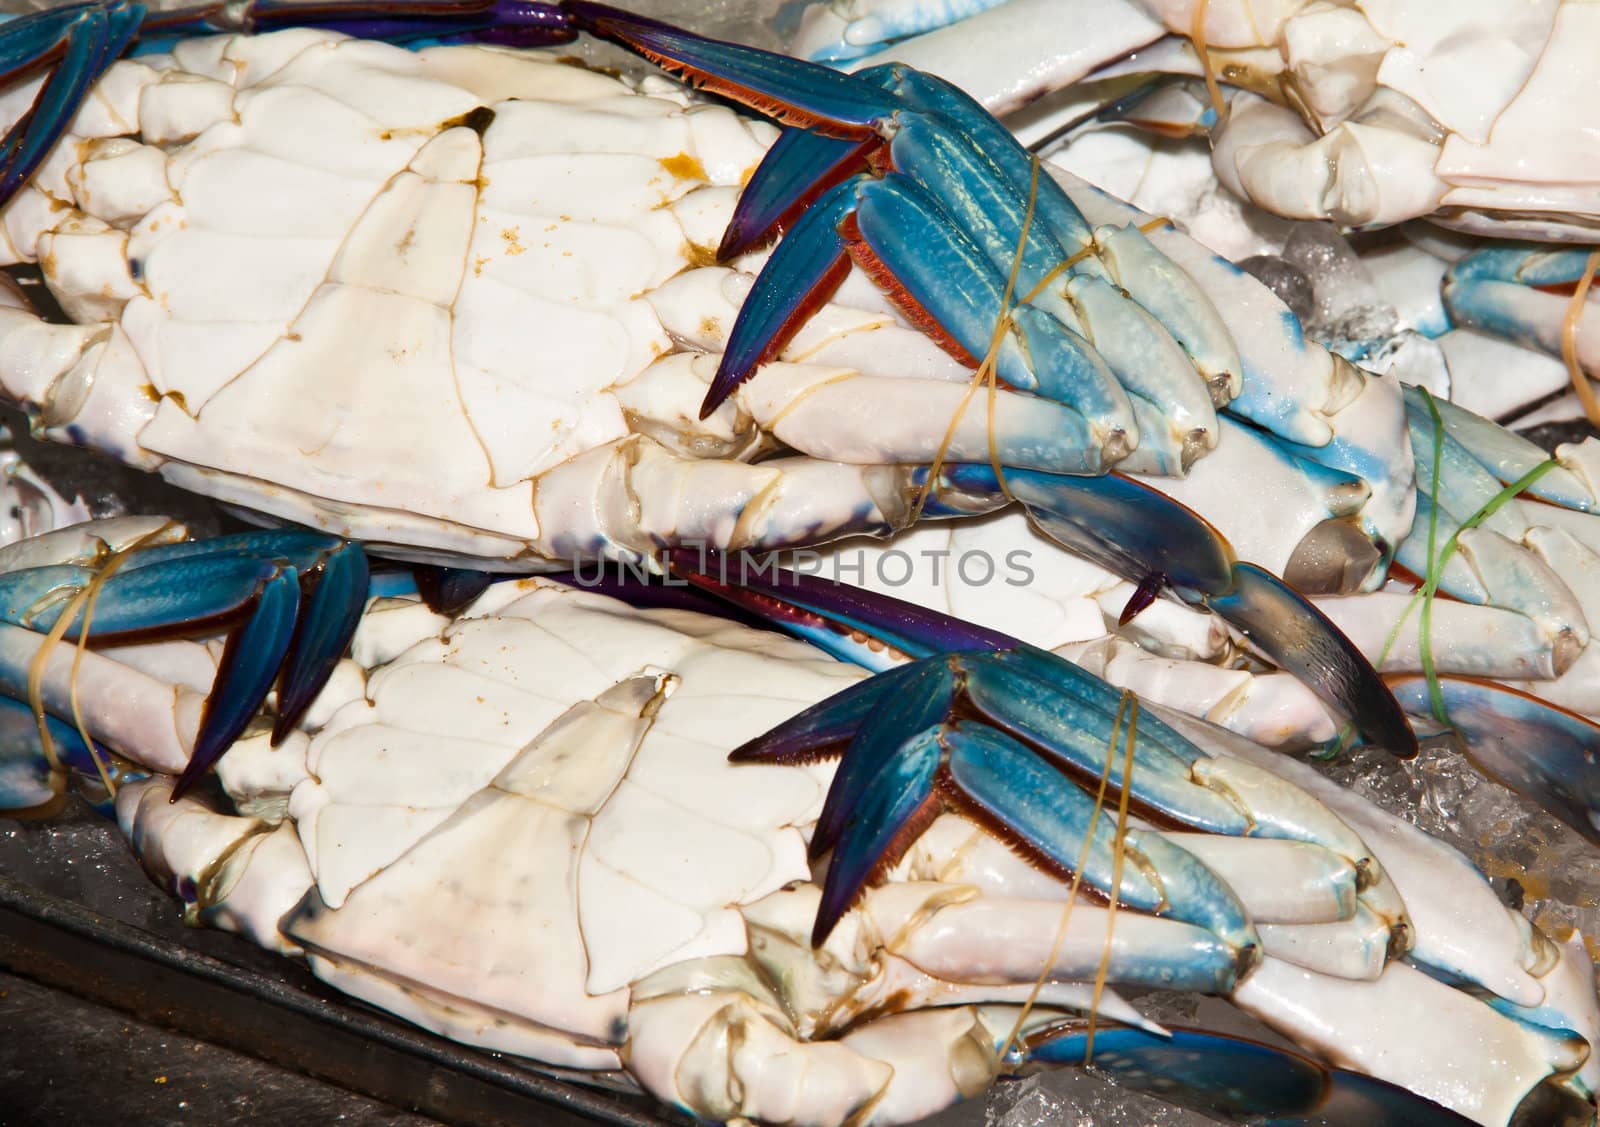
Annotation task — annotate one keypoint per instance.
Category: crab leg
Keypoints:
(291, 601)
(133, 713)
(1271, 708)
(1224, 1075)
(1011, 941)
(1523, 292)
(1478, 641)
(234, 873)
(1278, 881)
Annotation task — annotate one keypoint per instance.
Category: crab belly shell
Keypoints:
(391, 317)
(564, 850)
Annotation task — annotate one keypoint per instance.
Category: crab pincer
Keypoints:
(1006, 734)
(288, 601)
(905, 176)
(1152, 540)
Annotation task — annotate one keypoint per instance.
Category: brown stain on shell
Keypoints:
(685, 167)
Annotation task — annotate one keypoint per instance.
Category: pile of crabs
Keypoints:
(559, 392)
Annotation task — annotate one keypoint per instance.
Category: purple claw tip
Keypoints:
(1143, 595)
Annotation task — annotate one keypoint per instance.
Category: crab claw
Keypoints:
(1536, 748)
(1155, 542)
(916, 184)
(82, 40)
(902, 236)
(908, 760)
(1235, 1078)
(1003, 733)
(290, 601)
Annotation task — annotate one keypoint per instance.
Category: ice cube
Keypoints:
(1348, 306)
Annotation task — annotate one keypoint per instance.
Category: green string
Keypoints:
(1436, 563)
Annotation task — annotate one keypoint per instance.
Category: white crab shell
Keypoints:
(1463, 112)
(452, 302)
(390, 251)
(519, 828)
(441, 278)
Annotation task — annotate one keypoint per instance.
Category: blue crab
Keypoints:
(397, 261)
(610, 474)
(651, 902)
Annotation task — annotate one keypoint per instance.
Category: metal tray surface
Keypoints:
(77, 914)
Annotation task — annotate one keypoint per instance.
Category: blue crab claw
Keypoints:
(990, 727)
(1157, 543)
(1236, 1078)
(896, 231)
(908, 760)
(78, 42)
(83, 40)
(947, 213)
(1536, 748)
(290, 600)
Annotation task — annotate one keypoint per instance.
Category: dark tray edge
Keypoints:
(67, 946)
